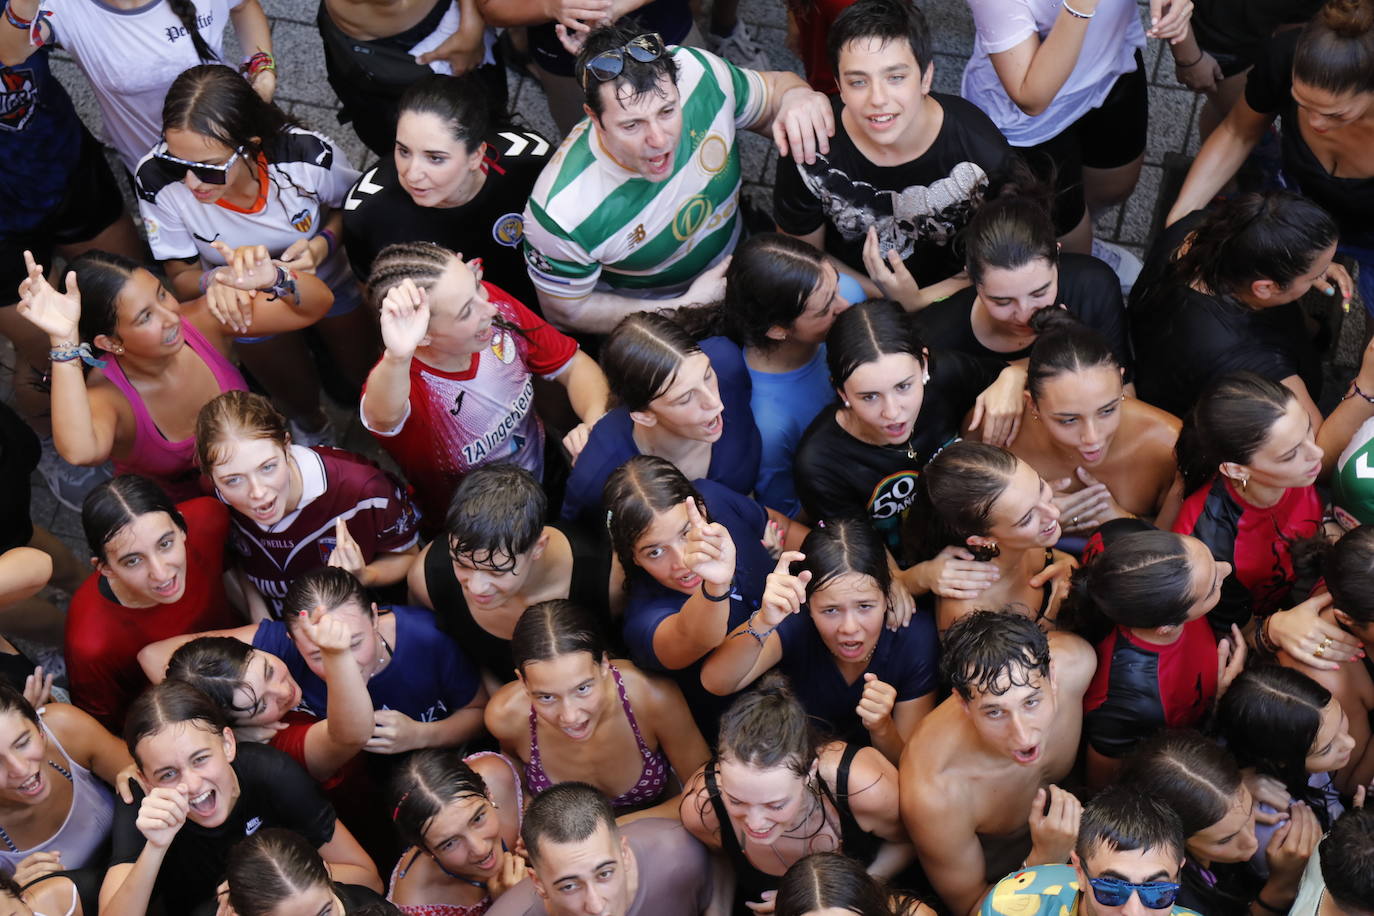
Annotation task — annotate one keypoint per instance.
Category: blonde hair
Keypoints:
(236, 415)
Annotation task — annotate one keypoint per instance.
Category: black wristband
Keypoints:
(1273, 909)
(710, 597)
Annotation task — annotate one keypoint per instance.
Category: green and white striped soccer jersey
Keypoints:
(592, 223)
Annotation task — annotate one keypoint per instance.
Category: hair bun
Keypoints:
(1348, 18)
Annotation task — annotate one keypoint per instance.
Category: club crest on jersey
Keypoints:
(326, 545)
(508, 230)
(303, 220)
(18, 98)
(503, 345)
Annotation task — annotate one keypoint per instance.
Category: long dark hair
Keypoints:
(186, 11)
(642, 355)
(865, 333)
(1064, 344)
(1141, 579)
(637, 491)
(1229, 423)
(117, 503)
(841, 547)
(101, 276)
(1011, 228)
(1274, 235)
(1269, 719)
(216, 666)
(1335, 51)
(556, 627)
(770, 278)
(956, 494)
(1349, 571)
(424, 784)
(11, 700)
(1192, 774)
(834, 881)
(269, 867)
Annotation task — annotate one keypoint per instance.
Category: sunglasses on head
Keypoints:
(609, 64)
(1155, 895)
(206, 172)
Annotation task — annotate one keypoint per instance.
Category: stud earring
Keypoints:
(925, 377)
(846, 403)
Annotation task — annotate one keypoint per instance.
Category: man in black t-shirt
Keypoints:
(910, 165)
(379, 211)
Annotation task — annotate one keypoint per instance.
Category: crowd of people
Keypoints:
(909, 553)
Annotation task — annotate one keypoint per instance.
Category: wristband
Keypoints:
(15, 20)
(1273, 909)
(257, 63)
(1075, 13)
(331, 242)
(65, 353)
(1182, 66)
(1262, 635)
(285, 284)
(1355, 386)
(207, 278)
(761, 636)
(710, 597)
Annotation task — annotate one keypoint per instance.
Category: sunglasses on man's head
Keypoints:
(1155, 895)
(609, 64)
(206, 172)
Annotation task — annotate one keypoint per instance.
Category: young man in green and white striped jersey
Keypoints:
(639, 207)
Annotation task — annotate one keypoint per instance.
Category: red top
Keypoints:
(104, 637)
(813, 34)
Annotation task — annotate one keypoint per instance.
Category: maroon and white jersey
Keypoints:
(456, 421)
(334, 484)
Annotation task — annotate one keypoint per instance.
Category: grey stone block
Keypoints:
(1137, 214)
(1172, 115)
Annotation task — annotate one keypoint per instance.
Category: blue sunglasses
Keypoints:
(1155, 895)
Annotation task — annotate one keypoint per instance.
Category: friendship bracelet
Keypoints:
(1356, 386)
(1182, 66)
(207, 278)
(1263, 637)
(13, 19)
(68, 352)
(285, 284)
(331, 242)
(749, 628)
(710, 597)
(1075, 13)
(257, 63)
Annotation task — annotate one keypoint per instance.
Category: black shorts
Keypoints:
(92, 203)
(1106, 137)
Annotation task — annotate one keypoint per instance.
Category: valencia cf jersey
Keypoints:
(334, 484)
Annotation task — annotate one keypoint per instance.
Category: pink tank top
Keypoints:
(171, 464)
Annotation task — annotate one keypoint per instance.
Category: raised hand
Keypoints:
(162, 813)
(709, 552)
(405, 319)
(38, 687)
(1053, 831)
(55, 314)
(876, 704)
(346, 555)
(326, 631)
(783, 593)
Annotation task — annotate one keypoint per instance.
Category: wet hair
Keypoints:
(1349, 571)
(550, 629)
(328, 587)
(1275, 235)
(459, 101)
(1141, 580)
(216, 666)
(635, 81)
(832, 880)
(1335, 50)
(886, 20)
(10, 887)
(422, 263)
(11, 700)
(426, 782)
(568, 812)
(1231, 421)
(642, 355)
(983, 649)
(1345, 856)
(119, 502)
(170, 703)
(101, 277)
(865, 333)
(770, 278)
(1193, 775)
(1011, 228)
(1269, 719)
(766, 727)
(955, 496)
(1121, 818)
(841, 547)
(496, 514)
(269, 867)
(1064, 344)
(236, 415)
(215, 101)
(635, 492)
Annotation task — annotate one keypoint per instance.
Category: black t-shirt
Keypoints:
(1089, 288)
(838, 475)
(1269, 90)
(354, 897)
(1241, 27)
(378, 212)
(918, 207)
(273, 792)
(1184, 339)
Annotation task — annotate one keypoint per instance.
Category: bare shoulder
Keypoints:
(72, 726)
(652, 692)
(415, 578)
(507, 711)
(696, 811)
(1074, 661)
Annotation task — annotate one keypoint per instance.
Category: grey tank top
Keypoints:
(87, 825)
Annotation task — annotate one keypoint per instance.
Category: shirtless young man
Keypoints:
(977, 776)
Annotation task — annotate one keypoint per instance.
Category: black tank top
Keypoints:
(590, 581)
(750, 882)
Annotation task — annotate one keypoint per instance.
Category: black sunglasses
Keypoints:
(609, 64)
(207, 172)
(1155, 895)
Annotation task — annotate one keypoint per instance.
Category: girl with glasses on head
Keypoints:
(234, 170)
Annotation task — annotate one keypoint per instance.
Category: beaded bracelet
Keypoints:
(1356, 390)
(65, 353)
(762, 637)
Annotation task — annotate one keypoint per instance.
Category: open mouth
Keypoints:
(896, 431)
(577, 732)
(487, 864)
(882, 121)
(658, 165)
(32, 786)
(171, 336)
(1050, 531)
(1027, 755)
(484, 335)
(689, 581)
(1093, 455)
(167, 589)
(851, 649)
(713, 426)
(757, 835)
(203, 805)
(264, 513)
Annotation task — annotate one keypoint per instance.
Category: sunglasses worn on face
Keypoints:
(206, 172)
(609, 64)
(1155, 895)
